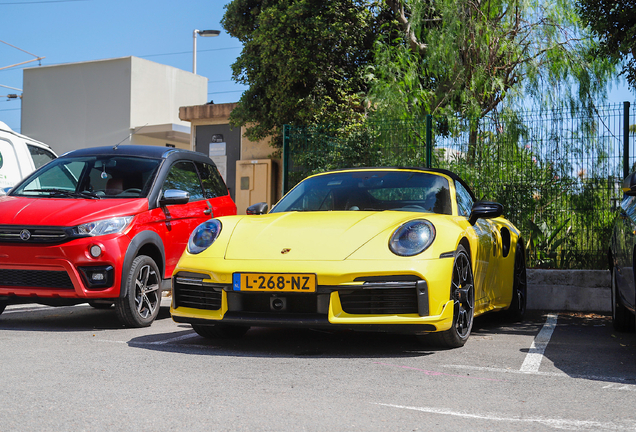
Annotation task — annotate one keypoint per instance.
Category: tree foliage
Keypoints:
(614, 22)
(303, 61)
(451, 58)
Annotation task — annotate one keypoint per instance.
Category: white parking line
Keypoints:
(631, 387)
(512, 371)
(23, 308)
(533, 359)
(174, 339)
(552, 422)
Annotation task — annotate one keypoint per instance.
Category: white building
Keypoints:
(127, 100)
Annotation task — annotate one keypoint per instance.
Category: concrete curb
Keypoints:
(569, 290)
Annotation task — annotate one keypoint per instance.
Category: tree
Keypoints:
(614, 23)
(303, 61)
(450, 58)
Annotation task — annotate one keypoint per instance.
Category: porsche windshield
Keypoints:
(93, 177)
(370, 190)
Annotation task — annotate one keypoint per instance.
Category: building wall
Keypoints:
(209, 137)
(158, 91)
(98, 103)
(77, 105)
(208, 118)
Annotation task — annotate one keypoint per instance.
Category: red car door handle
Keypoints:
(207, 211)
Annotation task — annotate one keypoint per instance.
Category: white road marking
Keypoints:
(552, 422)
(513, 371)
(550, 374)
(174, 339)
(160, 342)
(533, 359)
(615, 386)
(110, 341)
(23, 308)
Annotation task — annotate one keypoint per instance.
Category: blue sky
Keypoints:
(68, 31)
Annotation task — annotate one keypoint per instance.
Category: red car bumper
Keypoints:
(63, 271)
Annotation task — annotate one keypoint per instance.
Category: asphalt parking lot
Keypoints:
(76, 368)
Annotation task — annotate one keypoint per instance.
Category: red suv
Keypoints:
(106, 226)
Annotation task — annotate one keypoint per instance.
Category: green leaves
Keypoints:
(545, 244)
(303, 60)
(614, 23)
(467, 58)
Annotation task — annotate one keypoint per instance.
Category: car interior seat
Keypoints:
(114, 186)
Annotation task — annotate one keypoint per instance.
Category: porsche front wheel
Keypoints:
(463, 296)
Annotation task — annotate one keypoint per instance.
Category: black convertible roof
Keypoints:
(129, 150)
(435, 170)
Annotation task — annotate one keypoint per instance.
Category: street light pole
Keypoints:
(204, 33)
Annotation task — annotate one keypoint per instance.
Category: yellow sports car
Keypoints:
(383, 249)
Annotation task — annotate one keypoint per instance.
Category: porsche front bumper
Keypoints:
(396, 299)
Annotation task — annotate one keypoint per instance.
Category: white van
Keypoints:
(19, 157)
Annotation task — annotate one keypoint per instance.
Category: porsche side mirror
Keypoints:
(257, 209)
(629, 184)
(174, 196)
(485, 210)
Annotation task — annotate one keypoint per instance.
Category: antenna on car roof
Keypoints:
(129, 136)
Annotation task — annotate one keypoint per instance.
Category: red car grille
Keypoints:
(35, 278)
(30, 234)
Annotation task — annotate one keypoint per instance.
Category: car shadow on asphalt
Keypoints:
(295, 342)
(290, 342)
(64, 318)
(586, 345)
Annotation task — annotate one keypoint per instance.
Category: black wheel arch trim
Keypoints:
(138, 242)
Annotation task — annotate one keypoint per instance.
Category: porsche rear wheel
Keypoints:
(463, 296)
(517, 308)
(622, 320)
(220, 331)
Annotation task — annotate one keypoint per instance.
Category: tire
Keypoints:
(3, 304)
(463, 293)
(140, 306)
(622, 319)
(220, 331)
(517, 308)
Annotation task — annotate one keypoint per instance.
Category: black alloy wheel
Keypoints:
(463, 296)
(517, 308)
(140, 306)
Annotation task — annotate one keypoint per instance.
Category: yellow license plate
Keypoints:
(274, 282)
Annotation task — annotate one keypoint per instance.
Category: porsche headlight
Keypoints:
(203, 236)
(107, 226)
(412, 238)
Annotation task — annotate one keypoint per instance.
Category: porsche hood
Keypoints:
(302, 236)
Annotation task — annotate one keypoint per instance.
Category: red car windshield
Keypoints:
(92, 177)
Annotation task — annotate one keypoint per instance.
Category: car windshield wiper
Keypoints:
(66, 193)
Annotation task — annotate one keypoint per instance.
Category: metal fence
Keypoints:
(557, 173)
